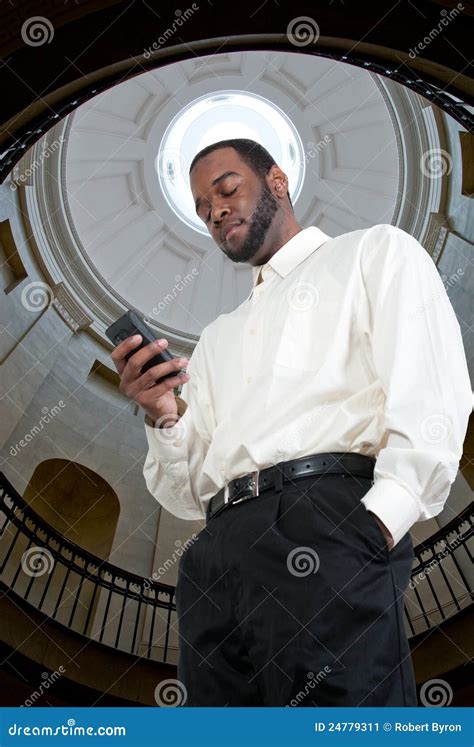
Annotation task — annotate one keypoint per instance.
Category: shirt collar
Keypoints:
(291, 254)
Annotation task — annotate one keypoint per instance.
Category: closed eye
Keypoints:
(225, 194)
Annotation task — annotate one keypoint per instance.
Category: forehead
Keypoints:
(214, 165)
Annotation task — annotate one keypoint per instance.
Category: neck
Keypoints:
(281, 235)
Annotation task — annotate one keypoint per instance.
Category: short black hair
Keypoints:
(252, 153)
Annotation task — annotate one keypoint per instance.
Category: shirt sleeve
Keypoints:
(418, 355)
(175, 457)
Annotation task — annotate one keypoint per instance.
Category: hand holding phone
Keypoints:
(148, 371)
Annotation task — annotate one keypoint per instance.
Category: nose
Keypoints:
(218, 213)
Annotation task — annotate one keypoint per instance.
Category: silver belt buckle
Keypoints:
(254, 483)
(226, 493)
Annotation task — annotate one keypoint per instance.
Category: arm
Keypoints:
(415, 343)
(173, 465)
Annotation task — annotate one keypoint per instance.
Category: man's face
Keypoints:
(229, 194)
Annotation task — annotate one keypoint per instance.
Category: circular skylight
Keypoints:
(220, 116)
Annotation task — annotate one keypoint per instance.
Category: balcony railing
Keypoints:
(138, 615)
(80, 590)
(441, 578)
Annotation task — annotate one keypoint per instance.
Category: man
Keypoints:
(317, 423)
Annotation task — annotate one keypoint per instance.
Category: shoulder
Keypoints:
(388, 238)
(384, 246)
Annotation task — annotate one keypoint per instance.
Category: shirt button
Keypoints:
(249, 380)
(177, 443)
(252, 331)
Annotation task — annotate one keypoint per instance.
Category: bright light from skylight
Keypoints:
(220, 116)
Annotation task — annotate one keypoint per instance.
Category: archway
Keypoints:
(77, 502)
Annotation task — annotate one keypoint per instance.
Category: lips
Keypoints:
(230, 227)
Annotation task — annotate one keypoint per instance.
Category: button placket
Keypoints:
(250, 344)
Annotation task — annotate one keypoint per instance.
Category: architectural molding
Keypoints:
(121, 130)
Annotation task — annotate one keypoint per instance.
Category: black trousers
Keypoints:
(293, 599)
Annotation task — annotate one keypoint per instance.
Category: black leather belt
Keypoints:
(254, 483)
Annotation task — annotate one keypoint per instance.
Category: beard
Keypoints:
(259, 225)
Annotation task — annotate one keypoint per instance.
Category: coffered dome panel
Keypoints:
(346, 138)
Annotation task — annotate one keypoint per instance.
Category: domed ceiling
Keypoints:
(121, 229)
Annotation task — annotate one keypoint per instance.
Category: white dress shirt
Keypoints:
(348, 344)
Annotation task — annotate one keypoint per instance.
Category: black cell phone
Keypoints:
(131, 324)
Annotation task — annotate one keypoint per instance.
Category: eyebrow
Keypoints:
(216, 181)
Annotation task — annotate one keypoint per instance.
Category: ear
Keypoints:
(277, 181)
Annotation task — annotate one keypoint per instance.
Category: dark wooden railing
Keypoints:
(82, 591)
(138, 614)
(441, 578)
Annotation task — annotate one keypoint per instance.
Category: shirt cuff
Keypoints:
(393, 505)
(168, 444)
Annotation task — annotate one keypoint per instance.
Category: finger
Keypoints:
(148, 397)
(125, 347)
(149, 378)
(138, 359)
